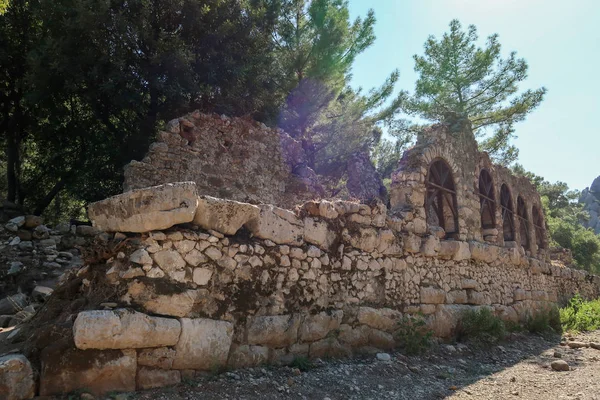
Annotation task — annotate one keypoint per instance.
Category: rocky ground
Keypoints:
(517, 368)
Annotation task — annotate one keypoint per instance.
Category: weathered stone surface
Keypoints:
(202, 276)
(317, 326)
(446, 318)
(123, 329)
(246, 356)
(160, 357)
(149, 378)
(384, 319)
(274, 330)
(97, 371)
(144, 210)
(431, 295)
(318, 233)
(354, 337)
(169, 261)
(16, 378)
(328, 348)
(204, 344)
(278, 225)
(381, 339)
(225, 216)
(177, 304)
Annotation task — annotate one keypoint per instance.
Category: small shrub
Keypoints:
(302, 363)
(580, 315)
(481, 325)
(547, 320)
(413, 335)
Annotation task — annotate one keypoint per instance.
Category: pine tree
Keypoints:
(458, 78)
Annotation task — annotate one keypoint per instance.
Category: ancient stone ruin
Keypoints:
(188, 278)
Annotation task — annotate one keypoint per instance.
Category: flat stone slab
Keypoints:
(225, 216)
(144, 210)
(123, 329)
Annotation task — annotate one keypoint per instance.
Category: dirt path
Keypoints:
(519, 368)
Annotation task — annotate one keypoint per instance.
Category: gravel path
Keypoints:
(518, 368)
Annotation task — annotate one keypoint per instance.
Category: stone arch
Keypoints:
(507, 213)
(441, 207)
(487, 200)
(523, 223)
(538, 226)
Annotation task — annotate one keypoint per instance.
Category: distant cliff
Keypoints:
(590, 197)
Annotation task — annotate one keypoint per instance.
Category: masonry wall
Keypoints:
(230, 158)
(332, 279)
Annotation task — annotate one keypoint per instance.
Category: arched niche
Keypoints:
(487, 200)
(440, 200)
(523, 223)
(507, 214)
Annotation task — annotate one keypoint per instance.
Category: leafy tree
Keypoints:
(316, 45)
(458, 78)
(91, 81)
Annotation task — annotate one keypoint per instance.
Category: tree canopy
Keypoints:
(456, 77)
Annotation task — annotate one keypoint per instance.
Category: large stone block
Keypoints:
(245, 356)
(274, 330)
(317, 326)
(384, 319)
(123, 329)
(431, 295)
(225, 216)
(204, 344)
(97, 371)
(278, 225)
(144, 210)
(318, 233)
(16, 378)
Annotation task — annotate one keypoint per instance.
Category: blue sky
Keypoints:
(560, 41)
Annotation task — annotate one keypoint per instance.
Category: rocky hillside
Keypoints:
(590, 197)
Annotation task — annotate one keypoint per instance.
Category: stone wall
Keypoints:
(231, 158)
(457, 148)
(246, 285)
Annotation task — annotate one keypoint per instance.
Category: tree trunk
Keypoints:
(45, 202)
(12, 167)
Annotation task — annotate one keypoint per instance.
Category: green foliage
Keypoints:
(316, 45)
(580, 315)
(481, 325)
(413, 335)
(458, 78)
(542, 321)
(85, 84)
(302, 363)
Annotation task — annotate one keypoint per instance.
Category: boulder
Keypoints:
(11, 304)
(204, 344)
(225, 216)
(354, 337)
(143, 210)
(384, 319)
(149, 378)
(328, 348)
(41, 293)
(278, 225)
(16, 378)
(559, 365)
(33, 221)
(123, 329)
(317, 326)
(65, 370)
(273, 330)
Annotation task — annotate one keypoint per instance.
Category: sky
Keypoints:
(560, 39)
